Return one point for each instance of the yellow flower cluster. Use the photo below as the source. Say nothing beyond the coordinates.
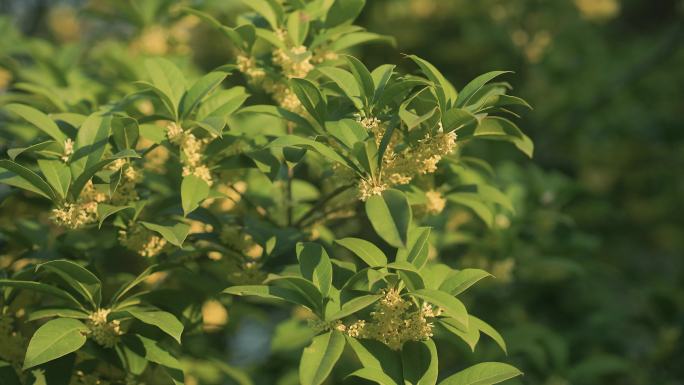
(191, 149)
(105, 333)
(401, 168)
(248, 66)
(393, 321)
(125, 192)
(81, 213)
(435, 202)
(323, 55)
(12, 343)
(295, 62)
(141, 240)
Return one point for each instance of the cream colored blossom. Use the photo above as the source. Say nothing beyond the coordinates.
(395, 321)
(248, 66)
(105, 333)
(191, 152)
(369, 187)
(81, 213)
(435, 202)
(295, 62)
(142, 240)
(68, 149)
(400, 168)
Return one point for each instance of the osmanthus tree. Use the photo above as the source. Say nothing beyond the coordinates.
(315, 199)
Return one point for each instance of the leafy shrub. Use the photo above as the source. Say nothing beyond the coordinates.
(142, 211)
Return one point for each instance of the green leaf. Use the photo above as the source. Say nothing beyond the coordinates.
(417, 249)
(91, 142)
(390, 215)
(357, 38)
(318, 147)
(310, 95)
(199, 90)
(222, 103)
(57, 174)
(298, 27)
(78, 277)
(53, 340)
(242, 36)
(168, 79)
(451, 306)
(471, 336)
(315, 265)
(193, 191)
(306, 288)
(409, 275)
(378, 356)
(381, 77)
(175, 234)
(419, 360)
(347, 83)
(15, 152)
(446, 94)
(475, 85)
(366, 153)
(319, 358)
(368, 252)
(20, 176)
(364, 79)
(270, 11)
(41, 288)
(125, 132)
(347, 131)
(354, 305)
(125, 288)
(61, 312)
(343, 12)
(165, 321)
(473, 202)
(271, 292)
(104, 211)
(40, 120)
(457, 119)
(375, 375)
(279, 113)
(488, 330)
(155, 353)
(462, 280)
(486, 373)
(497, 128)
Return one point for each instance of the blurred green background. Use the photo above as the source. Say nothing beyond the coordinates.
(591, 271)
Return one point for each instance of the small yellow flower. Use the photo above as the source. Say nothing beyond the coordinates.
(105, 333)
(435, 202)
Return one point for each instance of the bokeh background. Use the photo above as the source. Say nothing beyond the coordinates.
(590, 286)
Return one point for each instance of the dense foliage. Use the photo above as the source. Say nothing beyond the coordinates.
(147, 200)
